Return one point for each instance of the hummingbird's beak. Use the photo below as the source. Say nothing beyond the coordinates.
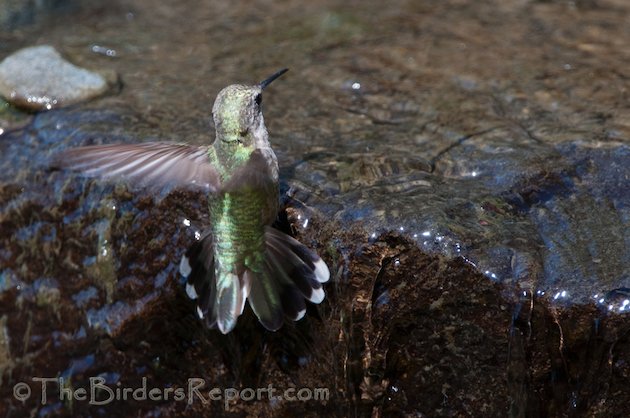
(268, 81)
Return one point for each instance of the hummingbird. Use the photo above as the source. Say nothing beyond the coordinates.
(240, 256)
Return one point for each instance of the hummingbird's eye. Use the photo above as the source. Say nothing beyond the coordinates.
(258, 99)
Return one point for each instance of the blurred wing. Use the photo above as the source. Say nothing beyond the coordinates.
(151, 164)
(260, 172)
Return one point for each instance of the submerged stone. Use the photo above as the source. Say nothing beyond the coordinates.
(38, 78)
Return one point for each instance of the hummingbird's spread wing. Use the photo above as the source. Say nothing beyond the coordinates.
(151, 164)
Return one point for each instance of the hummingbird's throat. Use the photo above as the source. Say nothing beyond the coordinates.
(228, 155)
(233, 140)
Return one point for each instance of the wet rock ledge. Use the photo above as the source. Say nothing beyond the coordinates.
(401, 333)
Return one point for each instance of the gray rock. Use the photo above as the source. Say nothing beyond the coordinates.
(38, 78)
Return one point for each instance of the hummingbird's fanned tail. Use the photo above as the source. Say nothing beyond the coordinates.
(291, 273)
(220, 295)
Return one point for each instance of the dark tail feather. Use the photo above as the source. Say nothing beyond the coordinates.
(197, 266)
(220, 300)
(290, 274)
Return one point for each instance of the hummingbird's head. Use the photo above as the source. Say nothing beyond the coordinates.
(238, 117)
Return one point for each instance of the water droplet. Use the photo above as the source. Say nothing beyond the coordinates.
(356, 86)
(98, 49)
